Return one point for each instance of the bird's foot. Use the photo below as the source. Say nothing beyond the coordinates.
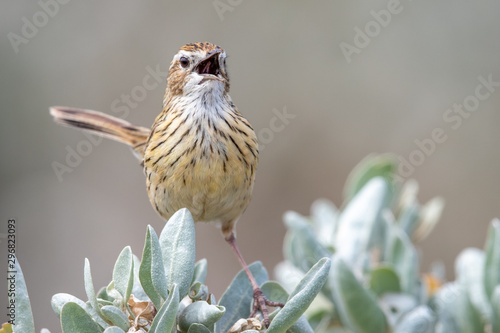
(260, 303)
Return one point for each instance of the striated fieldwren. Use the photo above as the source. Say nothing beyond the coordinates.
(200, 153)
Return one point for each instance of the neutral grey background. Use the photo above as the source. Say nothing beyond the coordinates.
(282, 54)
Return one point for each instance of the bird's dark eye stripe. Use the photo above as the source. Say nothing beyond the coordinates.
(184, 62)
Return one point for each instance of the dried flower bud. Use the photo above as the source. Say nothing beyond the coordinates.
(141, 309)
(247, 324)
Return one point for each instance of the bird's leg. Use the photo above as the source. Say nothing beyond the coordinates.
(260, 302)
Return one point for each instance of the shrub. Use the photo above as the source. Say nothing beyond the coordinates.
(354, 269)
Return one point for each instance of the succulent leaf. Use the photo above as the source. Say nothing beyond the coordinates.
(177, 241)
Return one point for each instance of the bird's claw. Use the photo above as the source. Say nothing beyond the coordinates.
(260, 303)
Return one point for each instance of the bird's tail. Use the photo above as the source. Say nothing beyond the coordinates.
(104, 125)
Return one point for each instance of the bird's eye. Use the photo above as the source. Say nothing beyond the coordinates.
(184, 62)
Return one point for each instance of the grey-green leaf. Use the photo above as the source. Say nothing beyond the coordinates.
(137, 289)
(201, 313)
(177, 241)
(102, 294)
(152, 266)
(325, 215)
(357, 307)
(288, 275)
(467, 317)
(116, 317)
(469, 268)
(89, 287)
(165, 318)
(277, 293)
(360, 223)
(21, 301)
(301, 326)
(372, 166)
(446, 306)
(292, 251)
(123, 273)
(311, 248)
(408, 219)
(495, 304)
(198, 328)
(400, 252)
(303, 295)
(59, 300)
(384, 280)
(74, 319)
(274, 291)
(237, 298)
(198, 292)
(492, 261)
(200, 271)
(429, 217)
(419, 320)
(157, 267)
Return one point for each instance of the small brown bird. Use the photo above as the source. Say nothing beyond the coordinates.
(200, 154)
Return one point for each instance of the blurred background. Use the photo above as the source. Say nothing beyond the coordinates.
(350, 79)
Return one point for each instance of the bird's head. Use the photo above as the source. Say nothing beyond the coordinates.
(198, 67)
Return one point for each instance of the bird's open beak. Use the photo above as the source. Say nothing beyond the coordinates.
(210, 67)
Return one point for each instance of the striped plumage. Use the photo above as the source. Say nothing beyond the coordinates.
(200, 153)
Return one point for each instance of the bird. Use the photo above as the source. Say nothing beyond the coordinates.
(201, 153)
